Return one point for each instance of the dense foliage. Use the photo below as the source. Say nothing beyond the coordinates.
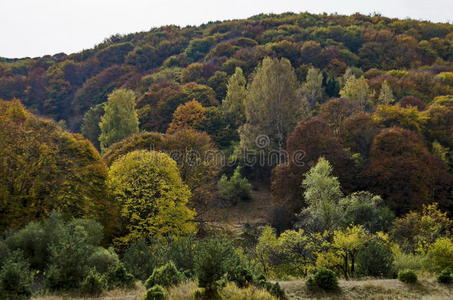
(343, 122)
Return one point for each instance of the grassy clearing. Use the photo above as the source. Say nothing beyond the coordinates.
(295, 289)
(372, 289)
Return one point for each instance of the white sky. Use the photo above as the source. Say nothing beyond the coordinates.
(38, 27)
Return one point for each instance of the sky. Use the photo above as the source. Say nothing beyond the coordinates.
(30, 28)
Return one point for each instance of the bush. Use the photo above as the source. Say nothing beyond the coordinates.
(93, 284)
(242, 276)
(139, 260)
(324, 279)
(407, 276)
(445, 277)
(118, 276)
(156, 292)
(215, 259)
(235, 189)
(166, 275)
(103, 260)
(440, 255)
(15, 277)
(375, 259)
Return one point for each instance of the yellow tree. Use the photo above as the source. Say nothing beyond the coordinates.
(347, 243)
(151, 195)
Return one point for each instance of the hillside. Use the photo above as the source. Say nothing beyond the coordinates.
(64, 86)
(278, 157)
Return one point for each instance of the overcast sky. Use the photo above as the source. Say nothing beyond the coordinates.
(38, 27)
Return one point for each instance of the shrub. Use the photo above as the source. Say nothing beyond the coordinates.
(242, 276)
(166, 275)
(407, 276)
(235, 189)
(156, 292)
(324, 279)
(445, 277)
(440, 255)
(139, 260)
(375, 259)
(15, 277)
(118, 276)
(93, 284)
(102, 260)
(216, 260)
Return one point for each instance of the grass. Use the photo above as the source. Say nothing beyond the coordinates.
(426, 288)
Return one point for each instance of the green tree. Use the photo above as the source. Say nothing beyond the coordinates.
(120, 119)
(233, 103)
(272, 107)
(386, 94)
(312, 87)
(358, 91)
(152, 196)
(90, 126)
(322, 194)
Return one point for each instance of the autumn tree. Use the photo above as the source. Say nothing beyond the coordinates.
(336, 111)
(120, 119)
(45, 168)
(358, 133)
(310, 140)
(188, 115)
(403, 171)
(233, 103)
(404, 117)
(347, 243)
(152, 196)
(358, 91)
(419, 229)
(385, 95)
(271, 106)
(412, 101)
(312, 87)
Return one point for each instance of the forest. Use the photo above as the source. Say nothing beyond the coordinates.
(231, 160)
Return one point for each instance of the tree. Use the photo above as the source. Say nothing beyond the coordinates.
(271, 106)
(312, 87)
(385, 95)
(412, 101)
(310, 140)
(347, 243)
(336, 111)
(152, 196)
(417, 230)
(188, 115)
(233, 103)
(358, 133)
(292, 253)
(322, 195)
(365, 209)
(45, 168)
(120, 119)
(358, 91)
(90, 125)
(403, 171)
(397, 116)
